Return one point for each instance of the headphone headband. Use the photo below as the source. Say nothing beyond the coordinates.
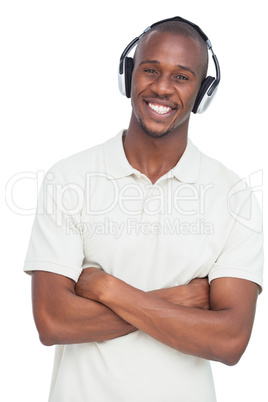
(208, 87)
(180, 19)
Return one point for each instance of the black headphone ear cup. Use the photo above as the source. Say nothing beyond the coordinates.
(129, 64)
(202, 92)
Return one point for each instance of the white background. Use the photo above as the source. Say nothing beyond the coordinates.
(59, 62)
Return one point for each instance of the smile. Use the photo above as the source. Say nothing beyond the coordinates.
(160, 109)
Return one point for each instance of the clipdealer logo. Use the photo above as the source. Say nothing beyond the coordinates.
(108, 227)
(250, 190)
(65, 200)
(69, 199)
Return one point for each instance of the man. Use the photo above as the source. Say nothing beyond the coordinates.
(128, 236)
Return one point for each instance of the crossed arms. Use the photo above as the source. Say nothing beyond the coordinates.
(212, 322)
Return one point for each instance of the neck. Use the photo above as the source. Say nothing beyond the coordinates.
(152, 156)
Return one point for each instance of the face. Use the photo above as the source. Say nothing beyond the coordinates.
(166, 79)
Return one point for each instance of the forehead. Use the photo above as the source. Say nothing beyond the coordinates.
(169, 48)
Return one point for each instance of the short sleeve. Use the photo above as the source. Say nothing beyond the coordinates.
(56, 244)
(242, 254)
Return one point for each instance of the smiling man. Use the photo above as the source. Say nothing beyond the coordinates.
(138, 315)
(166, 78)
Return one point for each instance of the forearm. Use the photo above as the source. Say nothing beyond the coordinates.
(220, 335)
(89, 321)
(62, 317)
(175, 321)
(86, 320)
(189, 330)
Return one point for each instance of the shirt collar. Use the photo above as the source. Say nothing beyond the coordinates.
(117, 165)
(187, 168)
(115, 159)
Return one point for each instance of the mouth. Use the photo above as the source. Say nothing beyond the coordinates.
(160, 109)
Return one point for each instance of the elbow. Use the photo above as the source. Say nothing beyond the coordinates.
(231, 359)
(46, 330)
(46, 339)
(232, 351)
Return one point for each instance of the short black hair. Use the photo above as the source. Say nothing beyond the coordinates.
(181, 28)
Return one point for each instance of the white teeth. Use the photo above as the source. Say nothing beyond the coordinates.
(160, 109)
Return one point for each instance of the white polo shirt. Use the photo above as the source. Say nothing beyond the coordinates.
(96, 210)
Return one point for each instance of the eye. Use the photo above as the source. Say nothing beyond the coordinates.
(181, 77)
(150, 71)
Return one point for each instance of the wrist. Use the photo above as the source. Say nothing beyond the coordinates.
(109, 289)
(92, 284)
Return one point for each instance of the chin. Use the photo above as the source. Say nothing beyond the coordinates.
(153, 133)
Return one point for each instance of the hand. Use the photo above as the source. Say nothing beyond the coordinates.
(198, 291)
(90, 283)
(194, 295)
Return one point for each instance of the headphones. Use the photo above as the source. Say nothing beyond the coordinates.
(208, 87)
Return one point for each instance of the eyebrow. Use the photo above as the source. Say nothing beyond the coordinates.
(149, 62)
(178, 65)
(186, 69)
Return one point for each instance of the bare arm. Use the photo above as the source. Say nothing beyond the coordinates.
(63, 317)
(220, 334)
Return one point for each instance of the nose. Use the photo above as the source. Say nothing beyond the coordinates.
(162, 85)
